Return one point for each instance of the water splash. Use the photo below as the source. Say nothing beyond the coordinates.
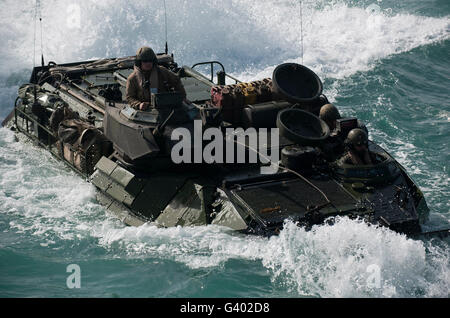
(330, 261)
(53, 208)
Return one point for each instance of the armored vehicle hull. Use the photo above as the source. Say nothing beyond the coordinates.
(78, 113)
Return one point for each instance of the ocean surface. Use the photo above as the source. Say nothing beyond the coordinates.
(386, 62)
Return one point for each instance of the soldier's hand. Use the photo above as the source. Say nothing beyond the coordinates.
(144, 106)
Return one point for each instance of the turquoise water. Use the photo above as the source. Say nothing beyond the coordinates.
(387, 65)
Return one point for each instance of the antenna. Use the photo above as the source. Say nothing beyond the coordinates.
(301, 27)
(42, 45)
(34, 36)
(37, 12)
(165, 23)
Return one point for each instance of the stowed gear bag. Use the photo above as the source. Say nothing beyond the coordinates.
(231, 99)
(82, 144)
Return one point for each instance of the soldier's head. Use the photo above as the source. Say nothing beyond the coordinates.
(329, 114)
(357, 140)
(146, 58)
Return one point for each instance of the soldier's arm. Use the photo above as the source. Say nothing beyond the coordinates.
(131, 94)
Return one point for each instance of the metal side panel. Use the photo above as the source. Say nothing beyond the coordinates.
(157, 194)
(104, 199)
(117, 182)
(185, 209)
(228, 216)
(272, 203)
(196, 90)
(127, 180)
(118, 192)
(107, 185)
(106, 166)
(120, 211)
(100, 180)
(134, 140)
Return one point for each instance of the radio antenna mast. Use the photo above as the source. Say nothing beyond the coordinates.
(165, 23)
(42, 42)
(34, 36)
(301, 27)
(38, 11)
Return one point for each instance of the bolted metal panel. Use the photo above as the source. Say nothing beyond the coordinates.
(128, 180)
(125, 215)
(118, 192)
(229, 217)
(100, 180)
(106, 166)
(122, 176)
(185, 209)
(104, 199)
(157, 194)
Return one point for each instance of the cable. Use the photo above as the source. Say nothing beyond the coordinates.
(287, 169)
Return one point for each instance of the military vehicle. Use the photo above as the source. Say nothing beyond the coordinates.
(78, 113)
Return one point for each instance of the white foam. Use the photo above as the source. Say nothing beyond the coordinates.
(339, 39)
(38, 193)
(329, 261)
(43, 199)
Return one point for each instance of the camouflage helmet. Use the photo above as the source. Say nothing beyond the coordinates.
(329, 113)
(357, 137)
(146, 54)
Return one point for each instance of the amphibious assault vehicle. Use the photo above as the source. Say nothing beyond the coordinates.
(78, 113)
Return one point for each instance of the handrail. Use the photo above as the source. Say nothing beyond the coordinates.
(42, 144)
(28, 117)
(211, 63)
(189, 71)
(233, 78)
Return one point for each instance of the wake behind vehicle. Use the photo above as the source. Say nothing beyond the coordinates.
(78, 113)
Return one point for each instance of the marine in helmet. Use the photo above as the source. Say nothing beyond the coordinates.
(357, 144)
(329, 114)
(334, 146)
(148, 77)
